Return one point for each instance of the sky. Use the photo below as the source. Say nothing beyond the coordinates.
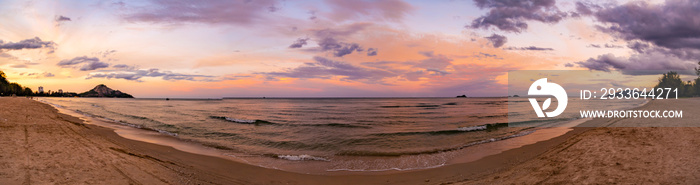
(335, 48)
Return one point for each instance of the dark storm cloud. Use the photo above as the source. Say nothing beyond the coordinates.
(497, 40)
(34, 43)
(673, 24)
(533, 48)
(137, 74)
(89, 63)
(211, 12)
(325, 68)
(61, 18)
(300, 42)
(511, 15)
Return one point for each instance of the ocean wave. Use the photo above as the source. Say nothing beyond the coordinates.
(385, 169)
(472, 128)
(459, 130)
(263, 122)
(434, 151)
(302, 157)
(243, 121)
(342, 125)
(419, 105)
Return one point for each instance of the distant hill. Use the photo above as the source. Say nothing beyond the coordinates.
(104, 91)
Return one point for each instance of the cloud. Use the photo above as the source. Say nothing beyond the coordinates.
(19, 66)
(60, 18)
(663, 36)
(89, 63)
(568, 65)
(38, 75)
(372, 52)
(533, 48)
(209, 12)
(34, 43)
(586, 8)
(673, 24)
(486, 55)
(511, 16)
(339, 49)
(612, 46)
(299, 43)
(137, 74)
(652, 61)
(332, 40)
(325, 68)
(497, 40)
(382, 9)
(438, 72)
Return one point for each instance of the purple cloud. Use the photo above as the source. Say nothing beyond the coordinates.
(332, 40)
(672, 24)
(61, 18)
(325, 68)
(532, 48)
(497, 40)
(34, 43)
(299, 43)
(89, 63)
(372, 52)
(385, 9)
(511, 16)
(210, 12)
(137, 74)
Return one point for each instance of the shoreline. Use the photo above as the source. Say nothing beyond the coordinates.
(455, 157)
(168, 163)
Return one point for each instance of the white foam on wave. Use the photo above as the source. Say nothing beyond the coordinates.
(472, 128)
(386, 169)
(302, 157)
(240, 120)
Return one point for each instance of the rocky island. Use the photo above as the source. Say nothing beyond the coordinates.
(102, 91)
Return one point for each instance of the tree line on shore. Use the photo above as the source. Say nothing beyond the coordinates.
(672, 79)
(8, 88)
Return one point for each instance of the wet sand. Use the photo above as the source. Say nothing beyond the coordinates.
(40, 145)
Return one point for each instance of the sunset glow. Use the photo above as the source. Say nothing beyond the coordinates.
(331, 48)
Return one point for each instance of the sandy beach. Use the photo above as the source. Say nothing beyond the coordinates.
(621, 154)
(40, 145)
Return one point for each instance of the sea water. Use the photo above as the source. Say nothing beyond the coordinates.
(311, 135)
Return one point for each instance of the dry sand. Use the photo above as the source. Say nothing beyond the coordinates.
(38, 145)
(618, 155)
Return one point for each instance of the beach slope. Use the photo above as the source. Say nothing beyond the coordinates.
(622, 154)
